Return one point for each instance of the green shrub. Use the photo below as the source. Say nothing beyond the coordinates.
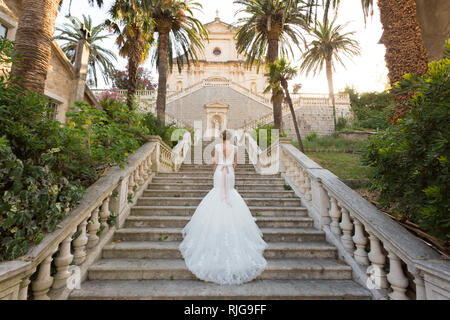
(411, 159)
(45, 165)
(33, 199)
(166, 132)
(311, 137)
(341, 123)
(371, 109)
(263, 134)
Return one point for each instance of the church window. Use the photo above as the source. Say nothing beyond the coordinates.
(52, 109)
(3, 31)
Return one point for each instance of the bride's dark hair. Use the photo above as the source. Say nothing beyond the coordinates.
(226, 135)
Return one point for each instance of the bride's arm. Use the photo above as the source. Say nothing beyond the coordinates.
(235, 160)
(215, 160)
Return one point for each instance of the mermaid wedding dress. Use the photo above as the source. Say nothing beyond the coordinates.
(222, 243)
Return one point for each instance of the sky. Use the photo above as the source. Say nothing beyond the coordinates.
(366, 72)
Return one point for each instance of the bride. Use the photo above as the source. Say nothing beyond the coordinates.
(222, 242)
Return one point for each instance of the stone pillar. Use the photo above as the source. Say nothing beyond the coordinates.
(81, 65)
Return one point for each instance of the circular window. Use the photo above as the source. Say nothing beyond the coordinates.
(217, 52)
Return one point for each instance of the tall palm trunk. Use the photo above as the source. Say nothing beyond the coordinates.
(34, 42)
(402, 37)
(284, 84)
(328, 65)
(134, 59)
(277, 99)
(163, 70)
(132, 80)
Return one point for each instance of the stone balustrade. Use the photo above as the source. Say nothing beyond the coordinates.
(78, 241)
(180, 151)
(384, 256)
(301, 100)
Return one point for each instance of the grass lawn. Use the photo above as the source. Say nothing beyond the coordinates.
(347, 166)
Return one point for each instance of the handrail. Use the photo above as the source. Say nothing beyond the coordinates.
(352, 223)
(265, 161)
(87, 228)
(180, 151)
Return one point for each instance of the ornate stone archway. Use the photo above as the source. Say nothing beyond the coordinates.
(216, 118)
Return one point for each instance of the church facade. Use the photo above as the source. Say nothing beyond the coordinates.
(221, 92)
(219, 60)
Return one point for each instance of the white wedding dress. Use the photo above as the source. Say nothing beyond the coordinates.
(222, 242)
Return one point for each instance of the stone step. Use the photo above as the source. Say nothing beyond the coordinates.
(200, 290)
(210, 171)
(238, 181)
(181, 221)
(174, 201)
(189, 210)
(209, 175)
(174, 234)
(175, 269)
(192, 167)
(169, 250)
(209, 185)
(202, 193)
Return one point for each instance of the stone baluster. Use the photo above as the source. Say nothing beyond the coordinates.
(131, 184)
(298, 173)
(137, 176)
(144, 172)
(79, 243)
(308, 195)
(421, 293)
(289, 168)
(360, 240)
(41, 285)
(301, 180)
(295, 174)
(335, 215)
(396, 277)
(23, 286)
(377, 260)
(149, 164)
(324, 205)
(93, 227)
(283, 166)
(347, 228)
(62, 262)
(104, 215)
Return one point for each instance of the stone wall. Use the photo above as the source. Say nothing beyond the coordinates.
(242, 109)
(317, 119)
(60, 83)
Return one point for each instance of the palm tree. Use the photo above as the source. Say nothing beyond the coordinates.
(270, 27)
(133, 27)
(34, 38)
(328, 47)
(100, 59)
(280, 72)
(180, 37)
(402, 35)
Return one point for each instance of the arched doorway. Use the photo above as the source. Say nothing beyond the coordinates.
(216, 118)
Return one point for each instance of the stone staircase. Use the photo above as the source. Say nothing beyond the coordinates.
(143, 261)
